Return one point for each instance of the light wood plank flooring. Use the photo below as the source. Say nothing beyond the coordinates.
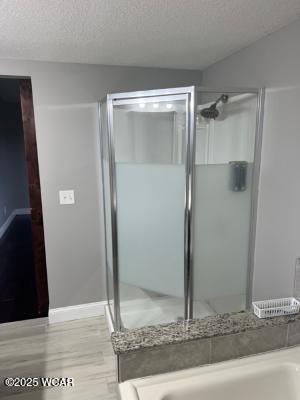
(78, 349)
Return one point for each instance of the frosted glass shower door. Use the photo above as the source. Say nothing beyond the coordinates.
(222, 200)
(150, 141)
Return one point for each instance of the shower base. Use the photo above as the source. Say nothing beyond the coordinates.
(138, 313)
(141, 308)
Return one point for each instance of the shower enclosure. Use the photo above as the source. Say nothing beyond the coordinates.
(180, 174)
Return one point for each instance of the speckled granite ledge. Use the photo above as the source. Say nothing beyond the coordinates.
(170, 347)
(182, 332)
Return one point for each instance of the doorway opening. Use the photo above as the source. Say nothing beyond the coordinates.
(23, 275)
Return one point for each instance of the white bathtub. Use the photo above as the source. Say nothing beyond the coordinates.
(272, 376)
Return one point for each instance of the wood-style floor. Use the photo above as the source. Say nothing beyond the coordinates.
(78, 349)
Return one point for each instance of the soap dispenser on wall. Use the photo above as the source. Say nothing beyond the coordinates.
(297, 279)
(238, 176)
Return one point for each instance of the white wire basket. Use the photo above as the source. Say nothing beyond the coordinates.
(276, 307)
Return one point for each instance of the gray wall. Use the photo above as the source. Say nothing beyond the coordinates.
(273, 62)
(13, 182)
(68, 149)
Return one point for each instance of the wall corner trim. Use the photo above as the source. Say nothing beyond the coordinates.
(76, 312)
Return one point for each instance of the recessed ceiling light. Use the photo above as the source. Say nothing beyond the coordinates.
(155, 105)
(169, 105)
(142, 105)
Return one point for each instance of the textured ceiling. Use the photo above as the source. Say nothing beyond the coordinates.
(153, 33)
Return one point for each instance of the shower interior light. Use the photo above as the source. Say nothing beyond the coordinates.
(155, 105)
(142, 105)
(169, 106)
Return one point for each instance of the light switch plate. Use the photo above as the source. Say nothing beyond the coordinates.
(66, 197)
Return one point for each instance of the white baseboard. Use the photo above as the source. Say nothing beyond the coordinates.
(9, 220)
(76, 312)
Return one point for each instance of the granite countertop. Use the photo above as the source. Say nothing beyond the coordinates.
(179, 332)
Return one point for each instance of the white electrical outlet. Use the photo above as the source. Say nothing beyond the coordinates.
(66, 197)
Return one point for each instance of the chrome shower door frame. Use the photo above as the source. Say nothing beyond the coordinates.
(187, 94)
(254, 194)
(108, 310)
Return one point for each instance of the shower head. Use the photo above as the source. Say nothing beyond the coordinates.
(212, 112)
